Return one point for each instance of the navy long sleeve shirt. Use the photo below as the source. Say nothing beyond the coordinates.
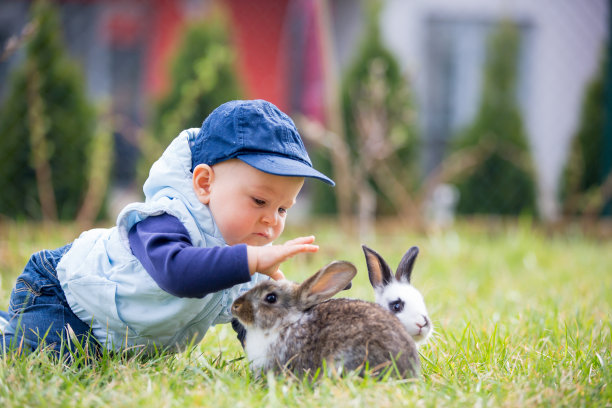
(163, 246)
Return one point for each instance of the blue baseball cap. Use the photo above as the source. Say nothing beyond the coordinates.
(259, 134)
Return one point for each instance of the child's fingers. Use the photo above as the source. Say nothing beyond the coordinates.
(301, 240)
(277, 275)
(292, 250)
(266, 259)
(284, 252)
(309, 248)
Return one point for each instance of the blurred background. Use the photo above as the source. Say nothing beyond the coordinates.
(422, 111)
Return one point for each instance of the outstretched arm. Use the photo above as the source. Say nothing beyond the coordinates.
(163, 246)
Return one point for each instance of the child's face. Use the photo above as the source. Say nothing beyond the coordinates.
(248, 205)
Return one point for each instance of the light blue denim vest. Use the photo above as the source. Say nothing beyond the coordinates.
(106, 286)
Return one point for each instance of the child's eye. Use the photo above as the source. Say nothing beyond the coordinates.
(258, 201)
(282, 211)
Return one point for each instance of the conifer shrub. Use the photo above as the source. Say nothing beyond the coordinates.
(379, 123)
(203, 76)
(502, 182)
(46, 127)
(585, 170)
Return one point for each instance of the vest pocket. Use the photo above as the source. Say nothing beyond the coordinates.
(92, 299)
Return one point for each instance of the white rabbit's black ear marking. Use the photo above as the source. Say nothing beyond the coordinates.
(378, 270)
(404, 270)
(324, 284)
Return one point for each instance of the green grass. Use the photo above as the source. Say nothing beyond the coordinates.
(523, 318)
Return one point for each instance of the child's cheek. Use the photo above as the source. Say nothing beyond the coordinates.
(279, 229)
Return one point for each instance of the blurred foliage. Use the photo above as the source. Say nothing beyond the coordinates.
(379, 120)
(583, 175)
(102, 159)
(203, 77)
(502, 182)
(47, 125)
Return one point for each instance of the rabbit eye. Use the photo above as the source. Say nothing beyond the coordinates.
(271, 298)
(396, 306)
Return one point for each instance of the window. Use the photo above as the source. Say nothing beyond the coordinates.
(455, 55)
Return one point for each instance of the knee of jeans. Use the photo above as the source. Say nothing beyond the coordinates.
(22, 296)
(35, 282)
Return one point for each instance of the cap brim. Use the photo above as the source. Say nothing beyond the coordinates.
(283, 166)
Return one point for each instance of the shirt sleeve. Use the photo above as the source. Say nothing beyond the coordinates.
(163, 246)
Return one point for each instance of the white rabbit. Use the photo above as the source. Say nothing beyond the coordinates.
(297, 327)
(396, 294)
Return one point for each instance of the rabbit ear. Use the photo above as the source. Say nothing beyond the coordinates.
(378, 270)
(324, 284)
(404, 270)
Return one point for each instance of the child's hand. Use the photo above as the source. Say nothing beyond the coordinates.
(267, 259)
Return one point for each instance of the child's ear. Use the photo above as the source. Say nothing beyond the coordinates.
(203, 176)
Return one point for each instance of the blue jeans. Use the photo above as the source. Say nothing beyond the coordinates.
(38, 312)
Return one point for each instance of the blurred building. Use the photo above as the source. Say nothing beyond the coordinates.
(287, 47)
(442, 45)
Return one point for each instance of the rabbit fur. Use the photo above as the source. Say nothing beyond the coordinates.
(297, 327)
(396, 294)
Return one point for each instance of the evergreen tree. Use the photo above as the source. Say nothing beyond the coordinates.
(379, 121)
(203, 77)
(502, 183)
(46, 127)
(583, 174)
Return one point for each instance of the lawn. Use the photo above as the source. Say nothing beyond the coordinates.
(523, 318)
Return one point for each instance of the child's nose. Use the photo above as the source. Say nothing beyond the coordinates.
(271, 218)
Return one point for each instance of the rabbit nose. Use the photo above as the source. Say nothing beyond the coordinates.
(420, 326)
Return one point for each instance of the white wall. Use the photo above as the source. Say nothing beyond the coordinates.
(568, 36)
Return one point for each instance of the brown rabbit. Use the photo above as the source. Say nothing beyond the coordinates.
(297, 327)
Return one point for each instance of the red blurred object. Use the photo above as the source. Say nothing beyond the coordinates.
(258, 30)
(124, 30)
(164, 29)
